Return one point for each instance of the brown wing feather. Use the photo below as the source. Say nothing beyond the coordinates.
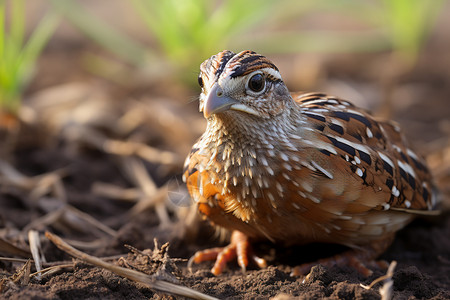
(379, 154)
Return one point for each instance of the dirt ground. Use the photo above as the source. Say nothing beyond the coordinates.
(91, 176)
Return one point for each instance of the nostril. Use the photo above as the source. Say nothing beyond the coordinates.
(219, 93)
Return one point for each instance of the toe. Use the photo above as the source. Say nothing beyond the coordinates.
(227, 254)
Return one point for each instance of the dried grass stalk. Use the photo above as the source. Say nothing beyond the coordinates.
(36, 252)
(10, 249)
(12, 259)
(42, 222)
(386, 289)
(72, 217)
(123, 148)
(37, 186)
(114, 192)
(91, 220)
(151, 154)
(51, 270)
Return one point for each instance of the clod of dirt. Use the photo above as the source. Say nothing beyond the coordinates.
(153, 262)
(320, 274)
(420, 285)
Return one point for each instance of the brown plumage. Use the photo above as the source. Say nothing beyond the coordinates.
(298, 168)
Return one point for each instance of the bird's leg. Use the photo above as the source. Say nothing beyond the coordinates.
(239, 247)
(358, 259)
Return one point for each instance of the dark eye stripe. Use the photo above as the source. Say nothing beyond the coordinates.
(271, 79)
(250, 59)
(247, 62)
(249, 68)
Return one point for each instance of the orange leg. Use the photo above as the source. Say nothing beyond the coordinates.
(358, 259)
(239, 247)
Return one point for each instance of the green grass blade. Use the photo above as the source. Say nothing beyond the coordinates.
(17, 22)
(2, 28)
(17, 57)
(36, 43)
(103, 34)
(408, 23)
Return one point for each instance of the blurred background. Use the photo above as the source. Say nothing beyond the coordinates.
(98, 98)
(373, 53)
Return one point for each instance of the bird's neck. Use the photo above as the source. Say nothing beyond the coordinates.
(248, 132)
(244, 146)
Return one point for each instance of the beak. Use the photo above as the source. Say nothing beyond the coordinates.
(217, 102)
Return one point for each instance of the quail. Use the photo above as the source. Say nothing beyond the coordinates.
(298, 168)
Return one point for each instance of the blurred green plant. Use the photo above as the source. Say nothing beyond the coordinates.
(18, 55)
(189, 31)
(104, 34)
(185, 32)
(408, 22)
(397, 25)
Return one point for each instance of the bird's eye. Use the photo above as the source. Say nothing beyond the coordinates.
(200, 80)
(256, 83)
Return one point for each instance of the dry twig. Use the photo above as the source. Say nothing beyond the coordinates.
(152, 195)
(76, 219)
(123, 148)
(37, 186)
(144, 279)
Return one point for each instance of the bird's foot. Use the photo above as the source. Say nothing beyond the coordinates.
(239, 247)
(359, 259)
